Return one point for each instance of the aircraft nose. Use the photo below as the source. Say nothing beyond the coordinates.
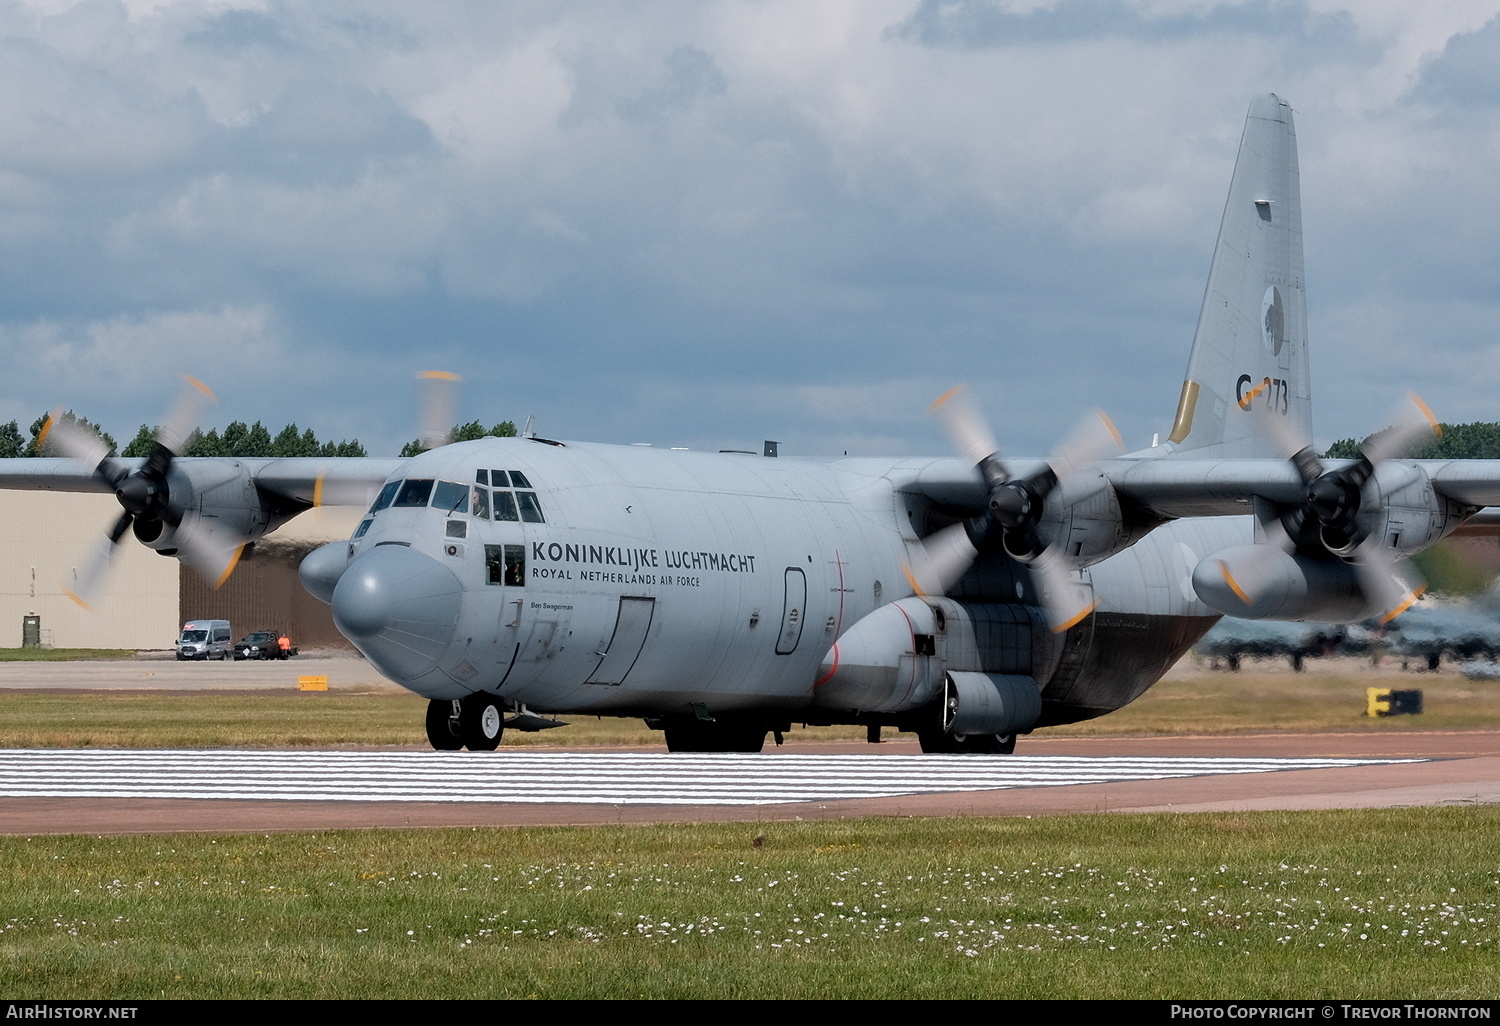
(399, 607)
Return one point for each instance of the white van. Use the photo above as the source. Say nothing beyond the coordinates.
(205, 639)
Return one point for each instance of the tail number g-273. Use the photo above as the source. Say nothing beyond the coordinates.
(1275, 390)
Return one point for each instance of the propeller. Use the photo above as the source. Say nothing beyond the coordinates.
(1330, 516)
(1014, 510)
(438, 403)
(143, 493)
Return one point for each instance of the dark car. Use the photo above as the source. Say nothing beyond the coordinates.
(263, 645)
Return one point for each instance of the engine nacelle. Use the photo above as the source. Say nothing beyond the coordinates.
(1262, 582)
(1086, 524)
(901, 656)
(990, 703)
(218, 509)
(1406, 514)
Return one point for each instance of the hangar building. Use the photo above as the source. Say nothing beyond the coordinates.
(46, 538)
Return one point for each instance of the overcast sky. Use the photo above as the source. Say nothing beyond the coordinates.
(714, 222)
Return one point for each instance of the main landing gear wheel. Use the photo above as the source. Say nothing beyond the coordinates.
(937, 742)
(480, 722)
(697, 736)
(440, 726)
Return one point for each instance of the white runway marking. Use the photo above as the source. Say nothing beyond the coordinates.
(570, 777)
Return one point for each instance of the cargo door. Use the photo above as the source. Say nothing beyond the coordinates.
(631, 624)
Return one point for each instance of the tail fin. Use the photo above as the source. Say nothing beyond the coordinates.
(1250, 350)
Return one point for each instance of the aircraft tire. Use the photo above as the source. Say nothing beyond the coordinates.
(480, 722)
(939, 742)
(693, 736)
(440, 726)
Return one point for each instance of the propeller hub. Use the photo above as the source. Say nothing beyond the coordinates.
(137, 494)
(1011, 504)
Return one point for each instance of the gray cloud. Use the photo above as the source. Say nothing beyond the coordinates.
(711, 223)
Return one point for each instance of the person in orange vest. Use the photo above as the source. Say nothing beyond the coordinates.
(284, 644)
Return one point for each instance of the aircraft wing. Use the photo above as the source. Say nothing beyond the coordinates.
(1175, 488)
(56, 475)
(1165, 488)
(1471, 482)
(331, 481)
(309, 481)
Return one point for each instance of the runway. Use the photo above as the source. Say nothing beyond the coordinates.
(167, 791)
(579, 778)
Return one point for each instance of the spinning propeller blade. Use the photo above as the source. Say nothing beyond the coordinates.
(1329, 519)
(143, 493)
(1015, 509)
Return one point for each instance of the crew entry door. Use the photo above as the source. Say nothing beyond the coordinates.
(631, 624)
(794, 611)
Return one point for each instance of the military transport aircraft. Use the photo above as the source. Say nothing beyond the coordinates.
(723, 596)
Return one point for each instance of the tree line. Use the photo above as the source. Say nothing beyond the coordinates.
(1475, 441)
(238, 440)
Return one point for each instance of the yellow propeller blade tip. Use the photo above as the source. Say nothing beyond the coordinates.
(200, 386)
(1426, 411)
(940, 400)
(439, 376)
(1077, 619)
(233, 562)
(41, 438)
(911, 579)
(1234, 585)
(1114, 432)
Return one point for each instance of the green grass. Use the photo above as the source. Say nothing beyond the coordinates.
(1253, 700)
(1366, 904)
(1211, 703)
(62, 655)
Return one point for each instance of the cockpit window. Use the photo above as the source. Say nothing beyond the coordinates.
(531, 512)
(482, 477)
(505, 507)
(364, 525)
(414, 493)
(518, 479)
(451, 496)
(386, 495)
(481, 502)
(500, 479)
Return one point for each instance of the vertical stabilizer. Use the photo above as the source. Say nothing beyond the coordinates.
(1249, 356)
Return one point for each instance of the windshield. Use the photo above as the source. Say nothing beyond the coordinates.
(195, 635)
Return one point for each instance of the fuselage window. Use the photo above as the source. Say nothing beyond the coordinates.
(499, 479)
(515, 565)
(530, 511)
(386, 495)
(481, 502)
(505, 507)
(518, 480)
(364, 525)
(413, 493)
(505, 564)
(451, 496)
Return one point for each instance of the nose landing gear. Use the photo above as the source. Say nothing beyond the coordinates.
(474, 722)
